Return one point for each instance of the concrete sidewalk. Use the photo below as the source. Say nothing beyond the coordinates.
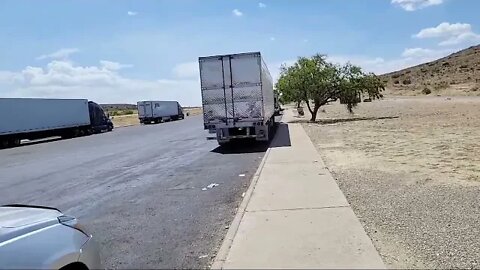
(294, 215)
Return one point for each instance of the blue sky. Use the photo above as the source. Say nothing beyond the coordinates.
(124, 51)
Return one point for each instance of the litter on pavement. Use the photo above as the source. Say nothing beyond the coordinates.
(242, 175)
(212, 185)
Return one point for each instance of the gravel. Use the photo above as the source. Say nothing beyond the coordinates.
(415, 226)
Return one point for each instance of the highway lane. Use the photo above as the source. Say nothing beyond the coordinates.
(137, 189)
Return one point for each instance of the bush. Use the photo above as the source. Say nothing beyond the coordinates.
(407, 81)
(127, 112)
(396, 82)
(426, 91)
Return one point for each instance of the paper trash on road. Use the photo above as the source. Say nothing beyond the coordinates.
(242, 175)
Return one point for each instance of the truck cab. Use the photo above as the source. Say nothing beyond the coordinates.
(98, 119)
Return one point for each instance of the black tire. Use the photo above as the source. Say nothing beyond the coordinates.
(16, 142)
(4, 143)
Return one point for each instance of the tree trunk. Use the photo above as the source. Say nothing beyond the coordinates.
(315, 110)
(308, 106)
(298, 103)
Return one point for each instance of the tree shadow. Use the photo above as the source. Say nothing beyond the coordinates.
(281, 139)
(342, 120)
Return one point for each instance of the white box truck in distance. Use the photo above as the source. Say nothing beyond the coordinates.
(35, 118)
(237, 96)
(158, 111)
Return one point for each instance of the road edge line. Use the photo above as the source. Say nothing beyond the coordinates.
(235, 224)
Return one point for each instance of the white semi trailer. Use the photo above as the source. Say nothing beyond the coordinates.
(237, 96)
(35, 118)
(158, 111)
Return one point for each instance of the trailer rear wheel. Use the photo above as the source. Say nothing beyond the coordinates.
(15, 142)
(4, 143)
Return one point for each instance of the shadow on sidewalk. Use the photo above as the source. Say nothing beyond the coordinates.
(281, 139)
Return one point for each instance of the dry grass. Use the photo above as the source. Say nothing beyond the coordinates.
(125, 120)
(192, 111)
(413, 180)
(436, 136)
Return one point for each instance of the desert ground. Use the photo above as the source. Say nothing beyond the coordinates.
(410, 168)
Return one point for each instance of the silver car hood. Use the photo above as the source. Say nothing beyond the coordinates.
(15, 221)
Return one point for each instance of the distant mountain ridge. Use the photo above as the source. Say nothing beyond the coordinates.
(112, 107)
(455, 74)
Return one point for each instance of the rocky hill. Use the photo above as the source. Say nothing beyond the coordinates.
(456, 74)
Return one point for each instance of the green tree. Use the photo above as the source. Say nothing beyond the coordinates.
(316, 80)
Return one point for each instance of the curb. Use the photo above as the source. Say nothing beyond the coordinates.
(222, 253)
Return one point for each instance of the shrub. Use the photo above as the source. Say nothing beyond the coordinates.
(407, 81)
(426, 91)
(127, 112)
(396, 82)
(441, 85)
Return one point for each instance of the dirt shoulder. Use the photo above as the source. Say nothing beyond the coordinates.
(412, 177)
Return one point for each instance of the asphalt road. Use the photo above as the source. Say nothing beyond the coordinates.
(138, 189)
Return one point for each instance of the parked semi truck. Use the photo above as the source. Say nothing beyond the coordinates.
(35, 118)
(237, 97)
(158, 111)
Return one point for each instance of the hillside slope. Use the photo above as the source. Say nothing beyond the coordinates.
(456, 74)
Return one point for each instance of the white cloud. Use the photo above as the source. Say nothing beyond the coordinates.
(237, 13)
(444, 30)
(412, 5)
(426, 54)
(102, 83)
(113, 65)
(61, 54)
(186, 70)
(465, 38)
(272, 38)
(416, 52)
(452, 34)
(262, 5)
(132, 13)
